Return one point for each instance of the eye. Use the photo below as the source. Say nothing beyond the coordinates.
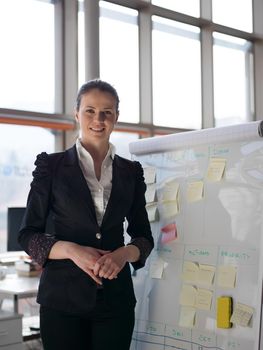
(108, 113)
(89, 110)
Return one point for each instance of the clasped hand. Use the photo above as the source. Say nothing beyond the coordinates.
(98, 263)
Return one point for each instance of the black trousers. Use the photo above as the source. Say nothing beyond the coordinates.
(100, 329)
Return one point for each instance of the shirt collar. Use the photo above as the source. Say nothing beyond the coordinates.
(82, 150)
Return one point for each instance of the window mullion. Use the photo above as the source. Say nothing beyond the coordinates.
(145, 61)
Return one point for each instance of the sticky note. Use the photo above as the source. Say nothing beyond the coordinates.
(150, 193)
(190, 271)
(169, 227)
(223, 312)
(206, 274)
(149, 174)
(216, 169)
(169, 233)
(156, 268)
(195, 191)
(188, 295)
(187, 316)
(170, 190)
(169, 209)
(203, 299)
(152, 211)
(242, 314)
(226, 276)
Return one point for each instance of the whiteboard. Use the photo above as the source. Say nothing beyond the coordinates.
(222, 228)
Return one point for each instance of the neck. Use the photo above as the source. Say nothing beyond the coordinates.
(97, 151)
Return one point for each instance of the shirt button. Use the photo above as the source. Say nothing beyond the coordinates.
(98, 235)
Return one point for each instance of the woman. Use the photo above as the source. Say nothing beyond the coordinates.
(86, 294)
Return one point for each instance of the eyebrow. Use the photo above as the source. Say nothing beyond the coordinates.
(88, 106)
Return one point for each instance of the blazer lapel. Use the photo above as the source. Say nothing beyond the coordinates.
(118, 188)
(76, 180)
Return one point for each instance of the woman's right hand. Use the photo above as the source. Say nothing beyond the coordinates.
(84, 257)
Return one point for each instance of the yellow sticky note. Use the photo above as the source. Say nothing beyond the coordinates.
(188, 295)
(156, 268)
(216, 169)
(226, 276)
(170, 191)
(242, 314)
(150, 193)
(203, 299)
(152, 211)
(223, 313)
(190, 271)
(187, 316)
(195, 191)
(169, 209)
(149, 174)
(206, 274)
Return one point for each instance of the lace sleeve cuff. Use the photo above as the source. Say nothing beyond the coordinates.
(145, 248)
(39, 247)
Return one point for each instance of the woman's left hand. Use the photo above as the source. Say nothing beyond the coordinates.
(110, 264)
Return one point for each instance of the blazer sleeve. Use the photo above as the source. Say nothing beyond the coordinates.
(32, 236)
(138, 223)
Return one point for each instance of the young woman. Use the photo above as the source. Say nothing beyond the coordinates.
(86, 294)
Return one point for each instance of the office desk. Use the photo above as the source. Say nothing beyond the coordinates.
(16, 287)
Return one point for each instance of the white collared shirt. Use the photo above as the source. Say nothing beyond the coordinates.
(100, 189)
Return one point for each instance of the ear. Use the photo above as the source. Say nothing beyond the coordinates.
(76, 116)
(117, 117)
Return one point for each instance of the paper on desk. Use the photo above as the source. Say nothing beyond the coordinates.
(190, 271)
(226, 276)
(187, 316)
(206, 274)
(149, 174)
(152, 211)
(242, 314)
(216, 169)
(150, 193)
(195, 191)
(188, 295)
(203, 299)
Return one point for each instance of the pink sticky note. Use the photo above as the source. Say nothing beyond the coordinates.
(169, 228)
(169, 233)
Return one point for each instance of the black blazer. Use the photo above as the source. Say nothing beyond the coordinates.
(60, 188)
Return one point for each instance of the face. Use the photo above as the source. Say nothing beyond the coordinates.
(97, 116)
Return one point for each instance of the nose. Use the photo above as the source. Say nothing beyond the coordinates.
(100, 116)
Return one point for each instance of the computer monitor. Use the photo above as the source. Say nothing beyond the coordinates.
(14, 220)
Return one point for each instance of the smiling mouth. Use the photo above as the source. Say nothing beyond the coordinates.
(97, 129)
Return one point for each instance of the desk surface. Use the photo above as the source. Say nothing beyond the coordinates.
(18, 285)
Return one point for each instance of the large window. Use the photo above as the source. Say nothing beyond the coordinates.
(176, 74)
(19, 146)
(27, 55)
(233, 92)
(170, 68)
